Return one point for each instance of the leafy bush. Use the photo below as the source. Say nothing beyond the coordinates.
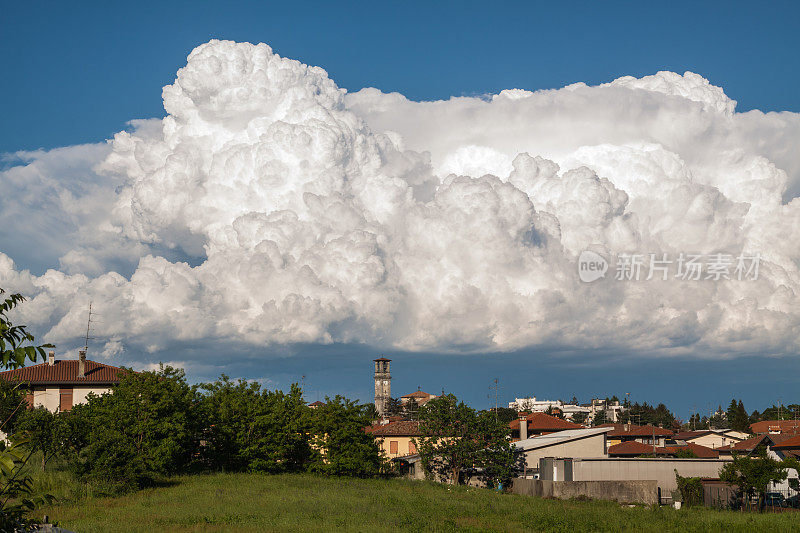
(691, 490)
(145, 430)
(344, 448)
(249, 429)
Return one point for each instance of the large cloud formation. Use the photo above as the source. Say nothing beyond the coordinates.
(271, 207)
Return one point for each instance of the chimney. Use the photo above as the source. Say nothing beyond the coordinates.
(82, 364)
(523, 427)
(51, 358)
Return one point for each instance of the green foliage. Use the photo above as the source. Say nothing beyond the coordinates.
(504, 415)
(455, 437)
(16, 499)
(599, 418)
(738, 418)
(691, 490)
(345, 449)
(579, 418)
(14, 347)
(646, 414)
(12, 405)
(249, 429)
(145, 430)
(685, 453)
(778, 412)
(753, 474)
(411, 409)
(42, 430)
(393, 407)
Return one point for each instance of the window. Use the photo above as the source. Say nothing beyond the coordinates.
(393, 446)
(411, 447)
(65, 403)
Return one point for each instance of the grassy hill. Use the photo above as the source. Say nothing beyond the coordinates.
(251, 502)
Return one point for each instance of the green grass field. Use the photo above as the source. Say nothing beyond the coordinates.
(251, 502)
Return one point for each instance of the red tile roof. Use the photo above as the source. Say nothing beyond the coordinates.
(747, 445)
(316, 404)
(779, 426)
(703, 452)
(399, 428)
(417, 394)
(632, 430)
(793, 442)
(538, 422)
(631, 447)
(65, 372)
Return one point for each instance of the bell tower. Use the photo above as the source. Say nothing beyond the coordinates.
(383, 384)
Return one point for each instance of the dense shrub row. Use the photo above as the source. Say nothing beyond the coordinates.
(156, 425)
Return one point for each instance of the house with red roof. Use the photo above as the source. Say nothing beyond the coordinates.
(632, 448)
(59, 384)
(789, 447)
(776, 446)
(710, 438)
(395, 437)
(643, 434)
(538, 424)
(776, 427)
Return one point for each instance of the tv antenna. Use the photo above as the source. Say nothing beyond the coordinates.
(496, 389)
(88, 326)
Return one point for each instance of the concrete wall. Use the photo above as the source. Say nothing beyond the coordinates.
(661, 470)
(593, 446)
(640, 491)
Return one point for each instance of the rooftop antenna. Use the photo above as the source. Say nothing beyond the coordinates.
(88, 325)
(496, 388)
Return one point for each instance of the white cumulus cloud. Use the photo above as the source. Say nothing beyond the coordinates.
(271, 207)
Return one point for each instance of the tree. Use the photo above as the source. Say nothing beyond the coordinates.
(12, 405)
(753, 474)
(738, 418)
(504, 415)
(599, 418)
(579, 418)
(145, 430)
(16, 487)
(691, 490)
(411, 409)
(345, 448)
(249, 429)
(392, 407)
(455, 438)
(41, 429)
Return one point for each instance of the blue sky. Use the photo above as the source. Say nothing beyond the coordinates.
(76, 73)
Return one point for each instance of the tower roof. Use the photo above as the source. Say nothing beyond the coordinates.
(381, 359)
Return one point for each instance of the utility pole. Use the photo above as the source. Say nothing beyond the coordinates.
(654, 440)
